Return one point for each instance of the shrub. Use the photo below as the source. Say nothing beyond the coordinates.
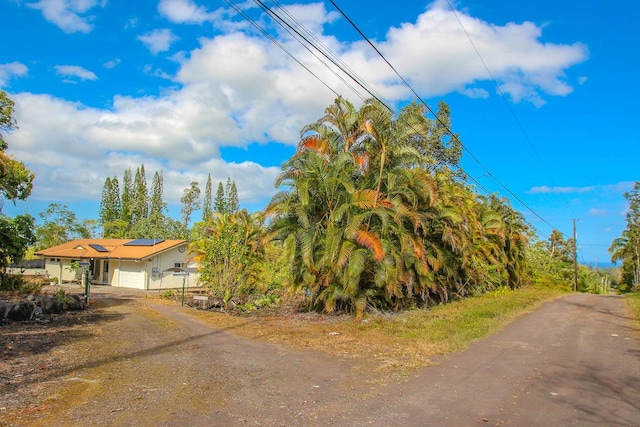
(168, 294)
(10, 282)
(64, 299)
(262, 301)
(17, 283)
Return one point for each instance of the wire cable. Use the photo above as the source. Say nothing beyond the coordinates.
(276, 42)
(309, 40)
(504, 99)
(486, 171)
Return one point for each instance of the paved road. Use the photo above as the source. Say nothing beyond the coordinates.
(573, 362)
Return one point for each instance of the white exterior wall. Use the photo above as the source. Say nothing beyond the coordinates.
(59, 267)
(159, 278)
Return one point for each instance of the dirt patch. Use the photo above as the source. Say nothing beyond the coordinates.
(32, 352)
(146, 357)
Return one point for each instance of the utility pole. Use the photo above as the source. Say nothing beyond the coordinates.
(575, 258)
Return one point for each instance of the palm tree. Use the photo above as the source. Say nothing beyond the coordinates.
(372, 218)
(626, 249)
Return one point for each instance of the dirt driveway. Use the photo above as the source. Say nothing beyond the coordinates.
(573, 362)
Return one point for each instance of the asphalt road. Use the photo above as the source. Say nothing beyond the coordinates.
(573, 362)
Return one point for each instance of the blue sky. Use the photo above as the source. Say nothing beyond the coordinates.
(189, 88)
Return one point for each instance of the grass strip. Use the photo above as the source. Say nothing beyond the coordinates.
(394, 342)
(633, 302)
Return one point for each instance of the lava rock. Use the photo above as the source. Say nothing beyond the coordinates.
(22, 311)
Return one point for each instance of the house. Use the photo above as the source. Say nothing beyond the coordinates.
(141, 263)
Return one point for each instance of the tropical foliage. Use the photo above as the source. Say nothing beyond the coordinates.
(626, 248)
(16, 235)
(16, 181)
(376, 216)
(230, 251)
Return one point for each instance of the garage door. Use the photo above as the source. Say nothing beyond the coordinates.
(131, 275)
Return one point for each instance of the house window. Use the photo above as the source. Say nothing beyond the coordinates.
(178, 265)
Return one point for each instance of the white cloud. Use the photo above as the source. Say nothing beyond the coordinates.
(75, 71)
(544, 189)
(599, 212)
(68, 15)
(11, 70)
(156, 72)
(159, 40)
(312, 16)
(72, 148)
(236, 89)
(435, 54)
(131, 23)
(184, 12)
(475, 93)
(112, 64)
(616, 188)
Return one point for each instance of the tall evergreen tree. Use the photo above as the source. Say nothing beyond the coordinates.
(104, 211)
(115, 197)
(190, 202)
(126, 208)
(109, 206)
(207, 206)
(140, 205)
(233, 204)
(157, 205)
(220, 204)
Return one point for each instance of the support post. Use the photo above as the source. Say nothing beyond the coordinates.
(85, 278)
(184, 279)
(575, 258)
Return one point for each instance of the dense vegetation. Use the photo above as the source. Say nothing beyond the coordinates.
(377, 217)
(16, 182)
(626, 248)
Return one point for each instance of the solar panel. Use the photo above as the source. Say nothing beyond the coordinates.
(144, 242)
(98, 247)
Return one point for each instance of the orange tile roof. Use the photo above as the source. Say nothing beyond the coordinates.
(115, 249)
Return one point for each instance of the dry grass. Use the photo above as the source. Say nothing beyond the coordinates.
(633, 302)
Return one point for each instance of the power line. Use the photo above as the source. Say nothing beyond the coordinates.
(311, 41)
(353, 24)
(324, 53)
(276, 42)
(504, 98)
